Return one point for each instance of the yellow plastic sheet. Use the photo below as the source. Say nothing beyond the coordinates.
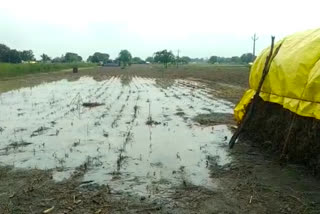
(293, 80)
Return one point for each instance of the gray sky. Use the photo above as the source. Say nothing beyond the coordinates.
(199, 28)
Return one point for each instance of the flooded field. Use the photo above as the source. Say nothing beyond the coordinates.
(136, 141)
(133, 134)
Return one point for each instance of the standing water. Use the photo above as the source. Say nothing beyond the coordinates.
(138, 135)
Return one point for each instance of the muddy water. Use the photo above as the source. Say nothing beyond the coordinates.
(141, 140)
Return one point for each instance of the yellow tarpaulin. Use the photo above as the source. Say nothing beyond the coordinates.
(293, 80)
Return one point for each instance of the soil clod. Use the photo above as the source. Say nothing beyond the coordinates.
(91, 105)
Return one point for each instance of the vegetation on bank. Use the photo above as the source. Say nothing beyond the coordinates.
(15, 63)
(12, 70)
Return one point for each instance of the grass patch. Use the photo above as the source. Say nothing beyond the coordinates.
(13, 70)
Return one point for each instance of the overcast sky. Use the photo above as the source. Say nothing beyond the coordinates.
(199, 28)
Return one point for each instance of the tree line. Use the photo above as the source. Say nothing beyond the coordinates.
(124, 58)
(14, 56)
(244, 58)
(167, 57)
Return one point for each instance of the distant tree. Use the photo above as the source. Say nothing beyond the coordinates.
(58, 59)
(137, 60)
(4, 53)
(98, 57)
(213, 59)
(185, 60)
(225, 60)
(14, 56)
(165, 57)
(125, 58)
(89, 59)
(55, 60)
(150, 59)
(45, 58)
(72, 57)
(247, 57)
(27, 55)
(235, 59)
(116, 61)
(220, 59)
(198, 60)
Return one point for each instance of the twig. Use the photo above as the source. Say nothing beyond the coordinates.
(250, 199)
(48, 210)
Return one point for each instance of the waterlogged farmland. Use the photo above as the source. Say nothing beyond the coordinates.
(130, 133)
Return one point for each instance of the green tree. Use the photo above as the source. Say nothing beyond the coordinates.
(27, 55)
(58, 59)
(4, 53)
(137, 60)
(14, 56)
(235, 59)
(98, 57)
(213, 59)
(247, 57)
(165, 57)
(185, 60)
(198, 60)
(45, 58)
(125, 58)
(225, 60)
(89, 59)
(150, 59)
(72, 57)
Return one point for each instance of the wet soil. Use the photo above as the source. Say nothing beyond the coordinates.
(60, 157)
(214, 119)
(251, 183)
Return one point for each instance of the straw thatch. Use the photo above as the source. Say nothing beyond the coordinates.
(291, 137)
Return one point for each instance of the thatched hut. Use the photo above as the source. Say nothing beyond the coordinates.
(286, 116)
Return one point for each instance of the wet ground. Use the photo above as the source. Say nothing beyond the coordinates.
(140, 138)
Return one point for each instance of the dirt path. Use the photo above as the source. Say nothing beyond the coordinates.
(139, 150)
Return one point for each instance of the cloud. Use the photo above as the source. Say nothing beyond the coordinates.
(198, 28)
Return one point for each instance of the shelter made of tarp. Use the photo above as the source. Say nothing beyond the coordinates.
(293, 80)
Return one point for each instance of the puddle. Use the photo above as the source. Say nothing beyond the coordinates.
(113, 140)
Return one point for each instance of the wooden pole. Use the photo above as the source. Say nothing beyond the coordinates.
(265, 71)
